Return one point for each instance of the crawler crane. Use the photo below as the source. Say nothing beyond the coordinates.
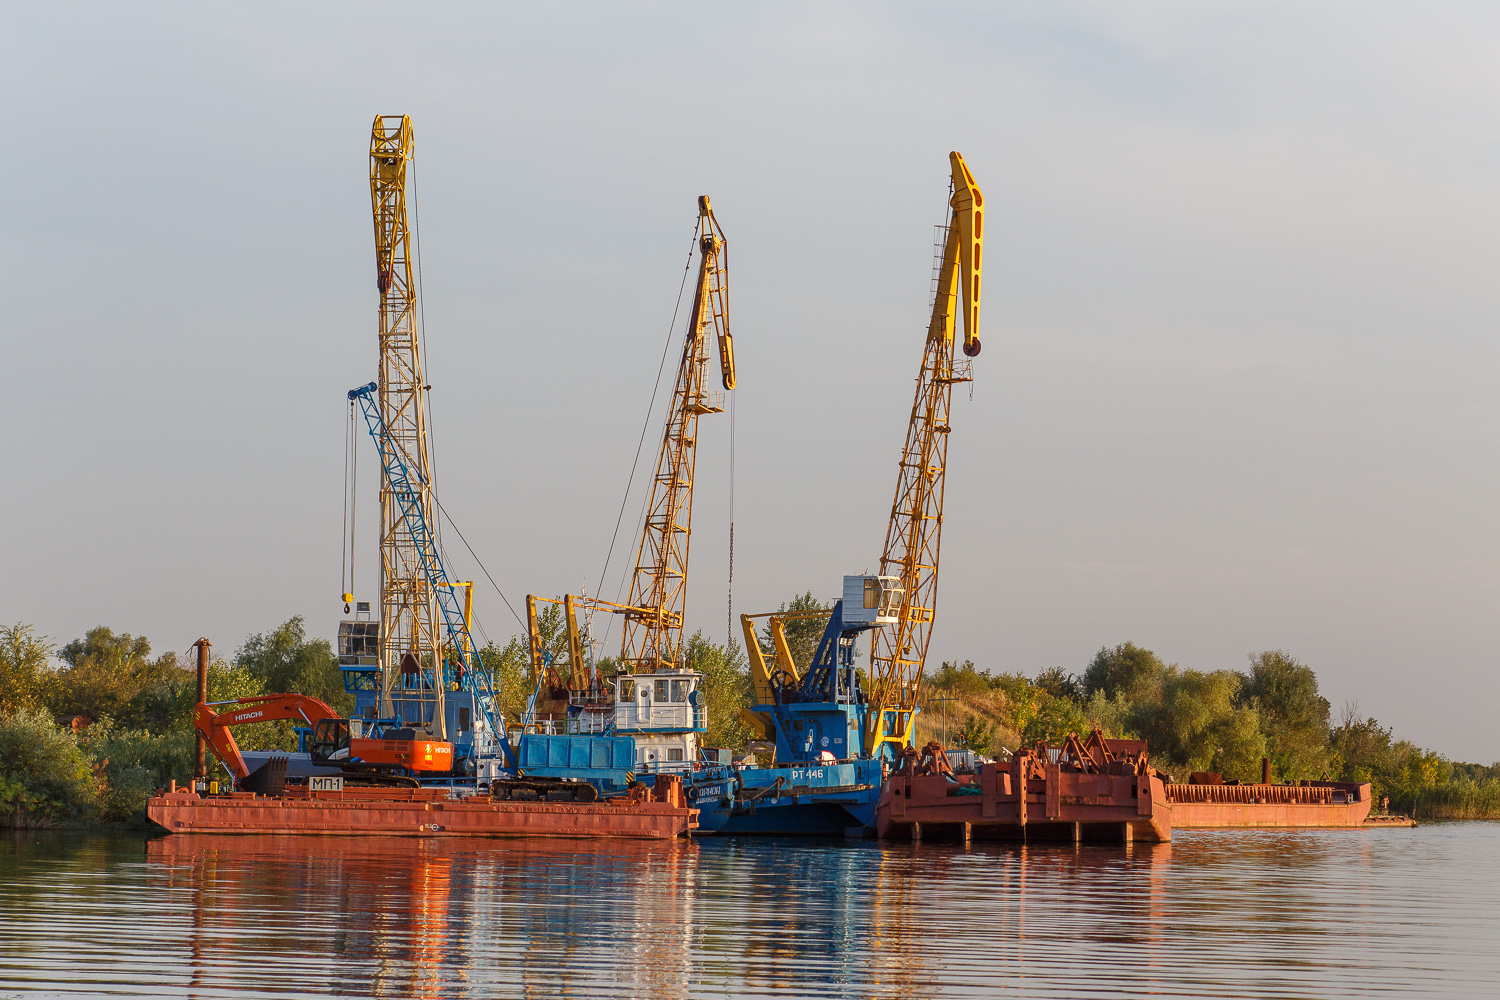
(415, 666)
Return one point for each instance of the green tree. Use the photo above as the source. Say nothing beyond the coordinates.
(23, 667)
(1293, 716)
(726, 690)
(136, 762)
(1197, 723)
(510, 670)
(957, 678)
(1052, 719)
(803, 634)
(1060, 684)
(1127, 670)
(44, 774)
(104, 674)
(285, 660)
(976, 734)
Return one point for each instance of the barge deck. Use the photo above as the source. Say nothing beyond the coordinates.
(661, 813)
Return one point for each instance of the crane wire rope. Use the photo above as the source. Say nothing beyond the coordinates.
(416, 218)
(729, 589)
(645, 428)
(351, 497)
(482, 568)
(733, 397)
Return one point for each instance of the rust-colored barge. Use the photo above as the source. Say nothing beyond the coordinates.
(1311, 805)
(660, 813)
(1095, 790)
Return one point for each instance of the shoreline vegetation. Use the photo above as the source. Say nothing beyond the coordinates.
(85, 740)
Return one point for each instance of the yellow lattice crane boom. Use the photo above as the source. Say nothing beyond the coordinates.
(914, 534)
(410, 627)
(652, 636)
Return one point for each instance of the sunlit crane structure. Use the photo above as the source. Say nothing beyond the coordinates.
(652, 635)
(914, 533)
(409, 632)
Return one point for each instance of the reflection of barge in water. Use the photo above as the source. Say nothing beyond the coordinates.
(661, 812)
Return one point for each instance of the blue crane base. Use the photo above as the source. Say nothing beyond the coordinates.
(796, 800)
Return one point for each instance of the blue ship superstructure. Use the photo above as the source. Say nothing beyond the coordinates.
(824, 780)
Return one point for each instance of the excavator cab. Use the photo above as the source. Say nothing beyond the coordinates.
(328, 738)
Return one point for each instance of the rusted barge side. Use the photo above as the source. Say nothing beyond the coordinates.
(1099, 790)
(1314, 805)
(423, 812)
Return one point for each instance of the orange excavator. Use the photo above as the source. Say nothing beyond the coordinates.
(392, 752)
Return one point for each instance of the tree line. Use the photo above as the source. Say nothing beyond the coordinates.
(1222, 721)
(139, 708)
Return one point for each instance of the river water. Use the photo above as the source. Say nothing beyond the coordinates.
(1404, 913)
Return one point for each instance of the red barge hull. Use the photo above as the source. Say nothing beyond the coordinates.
(1316, 805)
(1006, 803)
(418, 812)
(1098, 790)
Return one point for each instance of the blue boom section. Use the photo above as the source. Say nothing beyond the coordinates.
(405, 484)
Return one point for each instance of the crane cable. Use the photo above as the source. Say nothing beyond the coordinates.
(351, 496)
(645, 427)
(729, 593)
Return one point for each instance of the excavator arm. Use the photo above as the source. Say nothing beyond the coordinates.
(215, 727)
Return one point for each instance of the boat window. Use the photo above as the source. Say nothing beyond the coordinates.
(662, 691)
(627, 689)
(674, 753)
(890, 604)
(679, 691)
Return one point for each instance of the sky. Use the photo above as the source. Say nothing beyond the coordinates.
(1238, 387)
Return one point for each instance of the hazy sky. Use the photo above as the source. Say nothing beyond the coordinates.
(1238, 389)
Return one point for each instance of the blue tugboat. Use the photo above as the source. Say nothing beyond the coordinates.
(823, 779)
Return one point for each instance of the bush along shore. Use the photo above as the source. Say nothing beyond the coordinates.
(90, 729)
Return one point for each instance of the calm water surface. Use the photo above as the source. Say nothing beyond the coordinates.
(1307, 914)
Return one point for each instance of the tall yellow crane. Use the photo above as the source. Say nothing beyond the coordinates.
(410, 630)
(652, 636)
(914, 533)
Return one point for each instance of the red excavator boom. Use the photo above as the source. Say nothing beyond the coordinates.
(214, 726)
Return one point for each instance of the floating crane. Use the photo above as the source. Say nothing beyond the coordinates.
(914, 534)
(834, 730)
(652, 635)
(417, 665)
(409, 631)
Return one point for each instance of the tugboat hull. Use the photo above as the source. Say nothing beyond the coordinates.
(816, 800)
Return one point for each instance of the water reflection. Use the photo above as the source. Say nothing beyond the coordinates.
(1214, 914)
